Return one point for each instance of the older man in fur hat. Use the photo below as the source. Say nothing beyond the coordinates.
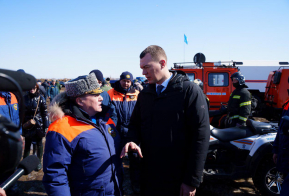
(80, 151)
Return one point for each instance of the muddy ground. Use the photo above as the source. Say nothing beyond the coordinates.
(31, 185)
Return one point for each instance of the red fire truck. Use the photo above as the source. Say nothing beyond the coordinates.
(218, 85)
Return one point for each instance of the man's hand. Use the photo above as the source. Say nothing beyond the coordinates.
(187, 190)
(275, 156)
(2, 192)
(131, 146)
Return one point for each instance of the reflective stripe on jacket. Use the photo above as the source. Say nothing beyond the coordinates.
(239, 105)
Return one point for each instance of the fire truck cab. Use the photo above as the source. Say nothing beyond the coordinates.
(215, 76)
(277, 89)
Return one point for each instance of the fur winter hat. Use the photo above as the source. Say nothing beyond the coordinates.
(83, 85)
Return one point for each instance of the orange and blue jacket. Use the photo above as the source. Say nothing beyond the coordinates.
(80, 158)
(9, 107)
(124, 104)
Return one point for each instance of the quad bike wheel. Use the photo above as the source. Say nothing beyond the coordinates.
(267, 179)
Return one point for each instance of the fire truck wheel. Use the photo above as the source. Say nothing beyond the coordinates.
(267, 179)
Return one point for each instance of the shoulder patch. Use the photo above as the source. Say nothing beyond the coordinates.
(111, 132)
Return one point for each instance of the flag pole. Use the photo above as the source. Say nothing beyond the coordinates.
(184, 52)
(185, 42)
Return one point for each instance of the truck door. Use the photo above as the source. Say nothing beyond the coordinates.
(217, 88)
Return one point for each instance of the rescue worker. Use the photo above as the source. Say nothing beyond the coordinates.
(52, 90)
(239, 105)
(42, 90)
(124, 96)
(80, 150)
(9, 108)
(201, 85)
(281, 151)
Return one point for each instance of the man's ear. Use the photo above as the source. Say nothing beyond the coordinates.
(163, 63)
(79, 101)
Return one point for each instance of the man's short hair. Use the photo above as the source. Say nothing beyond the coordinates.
(155, 51)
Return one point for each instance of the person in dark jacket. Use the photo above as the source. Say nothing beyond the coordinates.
(281, 151)
(35, 108)
(45, 85)
(171, 122)
(42, 90)
(80, 150)
(52, 90)
(108, 112)
(239, 105)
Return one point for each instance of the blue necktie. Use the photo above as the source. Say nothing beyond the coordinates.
(159, 89)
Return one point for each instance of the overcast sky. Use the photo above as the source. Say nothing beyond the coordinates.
(68, 38)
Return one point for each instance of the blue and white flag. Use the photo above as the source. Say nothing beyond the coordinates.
(185, 39)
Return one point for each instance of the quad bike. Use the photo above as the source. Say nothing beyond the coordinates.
(243, 153)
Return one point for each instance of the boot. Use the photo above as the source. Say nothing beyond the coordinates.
(39, 155)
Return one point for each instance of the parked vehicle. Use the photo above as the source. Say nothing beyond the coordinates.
(269, 88)
(243, 153)
(277, 92)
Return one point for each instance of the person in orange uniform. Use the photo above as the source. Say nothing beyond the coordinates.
(9, 108)
(80, 149)
(124, 97)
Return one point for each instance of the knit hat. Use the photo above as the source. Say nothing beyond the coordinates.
(126, 75)
(83, 85)
(98, 75)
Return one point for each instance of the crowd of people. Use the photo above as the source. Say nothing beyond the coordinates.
(90, 127)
